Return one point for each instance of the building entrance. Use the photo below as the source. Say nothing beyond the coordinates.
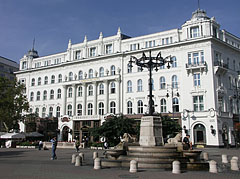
(199, 132)
(65, 134)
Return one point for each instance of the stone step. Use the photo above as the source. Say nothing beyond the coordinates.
(154, 154)
(156, 149)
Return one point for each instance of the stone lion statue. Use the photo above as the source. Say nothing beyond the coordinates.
(176, 139)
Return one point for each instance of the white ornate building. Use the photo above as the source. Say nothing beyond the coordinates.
(92, 79)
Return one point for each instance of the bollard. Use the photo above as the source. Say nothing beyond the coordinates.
(205, 156)
(133, 166)
(78, 161)
(235, 158)
(74, 158)
(82, 155)
(224, 158)
(234, 165)
(176, 167)
(213, 166)
(97, 164)
(95, 155)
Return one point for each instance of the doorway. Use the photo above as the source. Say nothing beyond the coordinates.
(199, 132)
(65, 134)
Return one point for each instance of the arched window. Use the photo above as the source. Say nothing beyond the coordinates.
(174, 81)
(39, 81)
(33, 81)
(59, 93)
(129, 86)
(43, 112)
(129, 107)
(45, 80)
(31, 96)
(70, 92)
(52, 94)
(60, 78)
(53, 79)
(162, 82)
(139, 85)
(79, 110)
(174, 64)
(90, 73)
(58, 111)
(80, 75)
(129, 68)
(80, 91)
(70, 76)
(90, 109)
(44, 95)
(113, 88)
(153, 84)
(69, 111)
(101, 72)
(175, 105)
(101, 108)
(37, 111)
(30, 110)
(113, 71)
(50, 111)
(90, 90)
(101, 88)
(163, 106)
(113, 107)
(38, 95)
(140, 107)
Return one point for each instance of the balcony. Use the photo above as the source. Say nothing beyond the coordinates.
(220, 67)
(196, 67)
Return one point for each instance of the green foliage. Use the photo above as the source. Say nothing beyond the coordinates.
(169, 126)
(27, 143)
(113, 128)
(12, 102)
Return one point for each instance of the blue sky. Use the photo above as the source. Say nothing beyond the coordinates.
(54, 22)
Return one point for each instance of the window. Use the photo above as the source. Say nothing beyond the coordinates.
(79, 110)
(90, 109)
(113, 88)
(59, 78)
(167, 41)
(37, 111)
(46, 80)
(174, 64)
(113, 72)
(92, 52)
(52, 94)
(162, 41)
(129, 68)
(196, 78)
(134, 46)
(44, 95)
(174, 81)
(58, 93)
(80, 91)
(149, 44)
(70, 76)
(195, 58)
(101, 72)
(24, 65)
(70, 92)
(31, 96)
(30, 110)
(175, 105)
(139, 85)
(162, 83)
(58, 111)
(69, 111)
(129, 86)
(38, 96)
(198, 103)
(194, 32)
(39, 81)
(101, 108)
(101, 88)
(139, 69)
(129, 107)
(109, 49)
(50, 111)
(163, 106)
(90, 73)
(113, 107)
(33, 82)
(53, 79)
(78, 54)
(140, 107)
(80, 75)
(90, 90)
(43, 112)
(152, 84)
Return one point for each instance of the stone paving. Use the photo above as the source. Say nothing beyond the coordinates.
(35, 164)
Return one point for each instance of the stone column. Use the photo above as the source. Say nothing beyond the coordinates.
(118, 96)
(84, 85)
(106, 100)
(95, 98)
(74, 99)
(64, 98)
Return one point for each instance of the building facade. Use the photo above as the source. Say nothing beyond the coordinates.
(94, 79)
(7, 68)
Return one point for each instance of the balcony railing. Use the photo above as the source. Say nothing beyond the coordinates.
(221, 64)
(199, 66)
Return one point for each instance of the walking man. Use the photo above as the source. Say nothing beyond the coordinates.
(54, 147)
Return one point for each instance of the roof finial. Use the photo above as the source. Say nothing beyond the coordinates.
(198, 4)
(33, 43)
(69, 43)
(100, 35)
(85, 39)
(119, 31)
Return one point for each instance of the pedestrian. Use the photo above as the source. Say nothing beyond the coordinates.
(54, 147)
(40, 145)
(77, 144)
(105, 145)
(187, 143)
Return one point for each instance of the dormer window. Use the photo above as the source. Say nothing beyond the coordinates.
(194, 32)
(109, 49)
(150, 44)
(24, 65)
(78, 54)
(92, 52)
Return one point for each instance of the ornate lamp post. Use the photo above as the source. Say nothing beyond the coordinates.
(151, 63)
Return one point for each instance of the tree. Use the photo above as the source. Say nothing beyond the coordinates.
(169, 126)
(113, 128)
(12, 103)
